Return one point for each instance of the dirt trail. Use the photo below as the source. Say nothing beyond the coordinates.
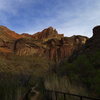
(36, 96)
(32, 94)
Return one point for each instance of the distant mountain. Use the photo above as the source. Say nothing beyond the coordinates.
(46, 43)
(6, 34)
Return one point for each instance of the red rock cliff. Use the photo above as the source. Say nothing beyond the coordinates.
(46, 43)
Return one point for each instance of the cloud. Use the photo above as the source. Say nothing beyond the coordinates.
(77, 18)
(68, 16)
(12, 6)
(81, 19)
(15, 12)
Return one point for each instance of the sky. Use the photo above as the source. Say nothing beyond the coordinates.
(69, 17)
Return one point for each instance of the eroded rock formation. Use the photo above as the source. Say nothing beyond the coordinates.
(46, 43)
(94, 42)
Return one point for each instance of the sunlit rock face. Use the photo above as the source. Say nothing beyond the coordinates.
(53, 48)
(65, 47)
(7, 38)
(27, 47)
(46, 43)
(6, 34)
(47, 34)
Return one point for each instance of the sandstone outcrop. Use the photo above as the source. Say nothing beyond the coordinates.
(46, 43)
(6, 34)
(7, 38)
(64, 48)
(53, 49)
(48, 33)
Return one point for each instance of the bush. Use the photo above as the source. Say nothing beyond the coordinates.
(18, 74)
(85, 69)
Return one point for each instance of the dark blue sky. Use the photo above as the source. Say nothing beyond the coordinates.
(67, 16)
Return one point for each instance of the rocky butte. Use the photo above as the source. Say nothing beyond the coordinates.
(48, 43)
(92, 44)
